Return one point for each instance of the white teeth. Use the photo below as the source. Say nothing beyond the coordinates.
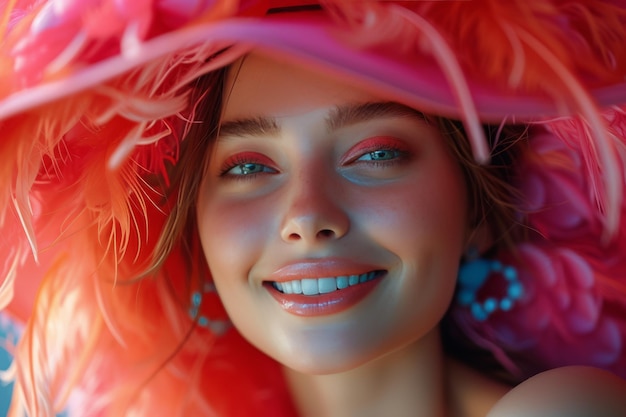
(296, 286)
(287, 288)
(309, 286)
(342, 282)
(312, 286)
(326, 285)
(353, 279)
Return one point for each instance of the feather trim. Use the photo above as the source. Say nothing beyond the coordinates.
(95, 115)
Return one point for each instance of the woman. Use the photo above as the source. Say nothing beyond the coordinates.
(299, 186)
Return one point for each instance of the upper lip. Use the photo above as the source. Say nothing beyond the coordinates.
(320, 268)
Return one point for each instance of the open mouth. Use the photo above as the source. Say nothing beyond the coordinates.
(316, 286)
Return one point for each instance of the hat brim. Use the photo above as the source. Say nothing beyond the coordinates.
(415, 79)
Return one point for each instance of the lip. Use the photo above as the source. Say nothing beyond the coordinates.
(322, 304)
(320, 268)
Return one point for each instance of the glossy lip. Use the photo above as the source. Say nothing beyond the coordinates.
(320, 268)
(322, 304)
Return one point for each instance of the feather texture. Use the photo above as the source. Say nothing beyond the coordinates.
(573, 276)
(93, 117)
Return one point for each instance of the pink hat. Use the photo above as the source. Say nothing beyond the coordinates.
(96, 97)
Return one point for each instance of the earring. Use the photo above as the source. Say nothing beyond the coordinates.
(218, 327)
(474, 274)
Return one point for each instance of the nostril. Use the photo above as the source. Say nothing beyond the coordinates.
(325, 233)
(322, 234)
(294, 236)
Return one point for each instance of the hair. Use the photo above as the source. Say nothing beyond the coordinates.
(493, 197)
(494, 203)
(185, 178)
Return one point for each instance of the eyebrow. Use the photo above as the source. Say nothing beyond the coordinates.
(347, 115)
(257, 126)
(337, 118)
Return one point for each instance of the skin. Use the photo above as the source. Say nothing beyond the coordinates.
(406, 216)
(315, 193)
(573, 391)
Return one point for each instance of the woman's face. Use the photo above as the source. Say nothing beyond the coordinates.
(332, 220)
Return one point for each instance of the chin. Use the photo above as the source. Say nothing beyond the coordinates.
(327, 362)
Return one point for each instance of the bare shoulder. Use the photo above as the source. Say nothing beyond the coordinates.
(573, 391)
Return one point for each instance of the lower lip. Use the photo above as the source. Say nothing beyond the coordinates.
(323, 304)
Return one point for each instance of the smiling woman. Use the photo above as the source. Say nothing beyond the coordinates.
(324, 207)
(350, 191)
(334, 209)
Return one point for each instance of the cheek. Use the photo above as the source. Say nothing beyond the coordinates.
(231, 234)
(424, 225)
(231, 242)
(419, 216)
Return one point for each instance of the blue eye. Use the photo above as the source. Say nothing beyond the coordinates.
(378, 152)
(248, 168)
(247, 165)
(380, 155)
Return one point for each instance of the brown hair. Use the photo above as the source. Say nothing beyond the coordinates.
(188, 172)
(493, 197)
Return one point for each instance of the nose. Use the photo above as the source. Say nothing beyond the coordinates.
(313, 212)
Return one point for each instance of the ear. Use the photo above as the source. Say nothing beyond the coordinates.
(479, 239)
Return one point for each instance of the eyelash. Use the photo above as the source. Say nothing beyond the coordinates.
(242, 159)
(354, 155)
(377, 144)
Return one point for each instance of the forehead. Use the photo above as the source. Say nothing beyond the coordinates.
(260, 85)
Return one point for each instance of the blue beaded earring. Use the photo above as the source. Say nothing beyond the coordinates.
(218, 327)
(472, 276)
